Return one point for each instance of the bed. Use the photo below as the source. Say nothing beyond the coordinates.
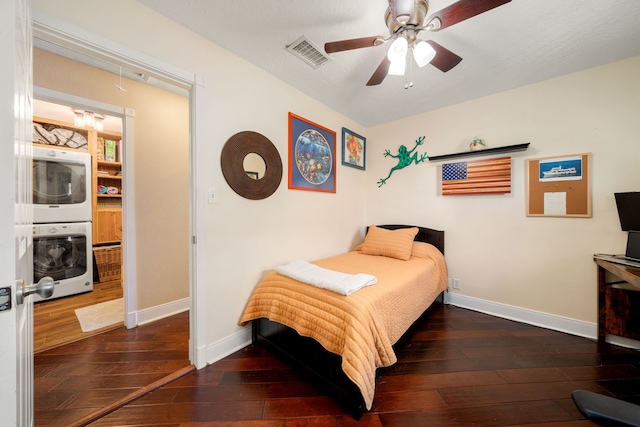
(341, 340)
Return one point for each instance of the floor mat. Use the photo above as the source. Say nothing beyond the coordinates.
(101, 315)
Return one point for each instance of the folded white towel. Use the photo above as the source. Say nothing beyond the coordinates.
(335, 281)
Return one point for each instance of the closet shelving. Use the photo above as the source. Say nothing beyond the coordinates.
(106, 208)
(107, 212)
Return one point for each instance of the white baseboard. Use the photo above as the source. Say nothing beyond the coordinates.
(159, 312)
(241, 339)
(221, 349)
(531, 317)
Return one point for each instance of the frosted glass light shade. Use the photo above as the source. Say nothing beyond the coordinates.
(78, 120)
(98, 124)
(398, 49)
(423, 53)
(396, 68)
(88, 118)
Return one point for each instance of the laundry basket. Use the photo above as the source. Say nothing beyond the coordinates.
(109, 262)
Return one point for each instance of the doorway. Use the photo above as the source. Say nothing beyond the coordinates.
(90, 303)
(156, 225)
(53, 33)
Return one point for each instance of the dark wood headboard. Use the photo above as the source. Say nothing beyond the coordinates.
(429, 235)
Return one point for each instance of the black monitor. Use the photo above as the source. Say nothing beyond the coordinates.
(629, 210)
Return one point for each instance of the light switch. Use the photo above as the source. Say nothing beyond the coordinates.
(213, 196)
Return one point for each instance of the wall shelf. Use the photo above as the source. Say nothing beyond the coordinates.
(486, 151)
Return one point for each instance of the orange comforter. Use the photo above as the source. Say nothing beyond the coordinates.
(363, 326)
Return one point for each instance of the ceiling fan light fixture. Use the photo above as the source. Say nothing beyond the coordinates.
(398, 50)
(423, 53)
(397, 68)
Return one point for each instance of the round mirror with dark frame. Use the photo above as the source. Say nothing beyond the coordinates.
(251, 165)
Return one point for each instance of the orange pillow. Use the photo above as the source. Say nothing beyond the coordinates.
(424, 250)
(390, 243)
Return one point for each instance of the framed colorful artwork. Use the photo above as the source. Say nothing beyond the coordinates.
(312, 160)
(354, 149)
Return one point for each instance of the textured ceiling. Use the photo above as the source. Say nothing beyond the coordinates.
(522, 42)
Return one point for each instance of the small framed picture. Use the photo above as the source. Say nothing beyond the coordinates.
(312, 161)
(354, 148)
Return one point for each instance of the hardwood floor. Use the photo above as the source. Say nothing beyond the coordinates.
(73, 381)
(55, 322)
(461, 368)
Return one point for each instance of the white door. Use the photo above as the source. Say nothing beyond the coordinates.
(16, 321)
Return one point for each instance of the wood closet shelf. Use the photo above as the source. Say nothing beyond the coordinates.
(106, 208)
(486, 151)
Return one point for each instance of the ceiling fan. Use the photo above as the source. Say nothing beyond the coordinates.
(405, 20)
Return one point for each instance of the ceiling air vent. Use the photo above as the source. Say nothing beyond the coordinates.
(306, 50)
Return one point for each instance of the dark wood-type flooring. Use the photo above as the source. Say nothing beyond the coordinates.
(74, 380)
(461, 368)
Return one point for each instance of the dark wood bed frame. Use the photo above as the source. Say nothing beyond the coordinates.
(319, 364)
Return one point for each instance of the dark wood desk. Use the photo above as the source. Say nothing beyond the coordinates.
(618, 300)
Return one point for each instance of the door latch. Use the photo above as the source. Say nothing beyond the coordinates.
(5, 299)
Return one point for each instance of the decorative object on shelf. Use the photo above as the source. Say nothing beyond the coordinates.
(354, 149)
(486, 151)
(559, 186)
(90, 119)
(492, 176)
(100, 148)
(477, 144)
(49, 134)
(405, 158)
(109, 150)
(234, 152)
(312, 161)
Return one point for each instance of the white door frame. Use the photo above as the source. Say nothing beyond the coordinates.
(61, 33)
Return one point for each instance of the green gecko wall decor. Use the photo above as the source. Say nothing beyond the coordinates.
(405, 158)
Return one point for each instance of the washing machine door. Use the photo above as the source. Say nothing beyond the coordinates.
(60, 257)
(58, 182)
(61, 186)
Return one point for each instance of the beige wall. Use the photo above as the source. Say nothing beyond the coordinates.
(244, 238)
(161, 146)
(500, 254)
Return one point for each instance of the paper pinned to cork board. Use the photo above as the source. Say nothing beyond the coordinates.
(555, 203)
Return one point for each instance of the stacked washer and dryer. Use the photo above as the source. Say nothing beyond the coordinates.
(62, 245)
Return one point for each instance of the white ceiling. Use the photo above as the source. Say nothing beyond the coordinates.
(519, 43)
(522, 42)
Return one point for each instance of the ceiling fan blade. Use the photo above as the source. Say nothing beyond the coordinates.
(462, 10)
(342, 45)
(444, 59)
(380, 73)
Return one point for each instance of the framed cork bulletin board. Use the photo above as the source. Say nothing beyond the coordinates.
(559, 186)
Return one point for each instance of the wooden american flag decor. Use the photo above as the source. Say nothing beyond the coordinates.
(491, 176)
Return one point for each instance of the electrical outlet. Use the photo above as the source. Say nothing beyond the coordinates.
(456, 283)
